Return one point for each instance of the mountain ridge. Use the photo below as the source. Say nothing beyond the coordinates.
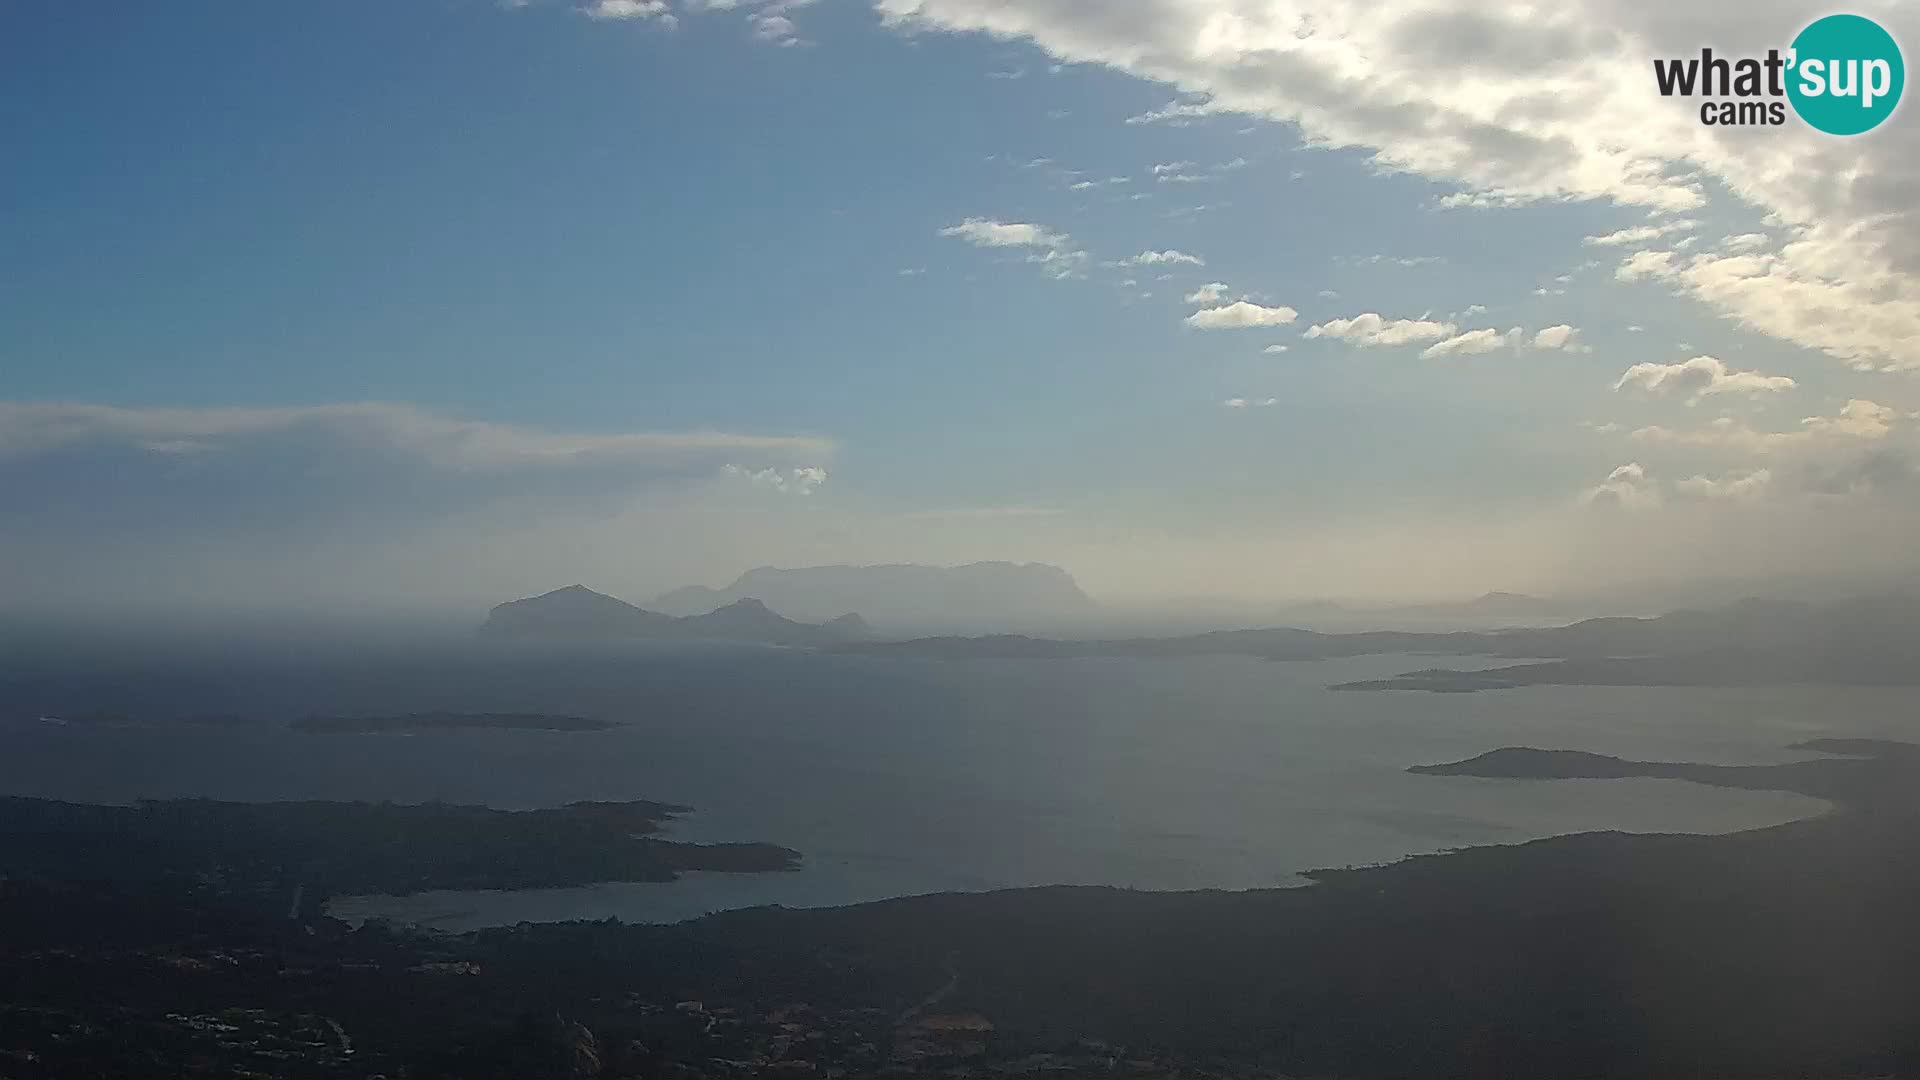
(577, 613)
(900, 594)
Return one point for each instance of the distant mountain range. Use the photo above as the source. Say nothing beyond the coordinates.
(1872, 640)
(577, 613)
(903, 595)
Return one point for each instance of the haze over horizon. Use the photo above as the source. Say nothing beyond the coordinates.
(1267, 302)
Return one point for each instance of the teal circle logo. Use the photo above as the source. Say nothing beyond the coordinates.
(1846, 74)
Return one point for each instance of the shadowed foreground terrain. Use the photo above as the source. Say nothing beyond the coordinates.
(1786, 951)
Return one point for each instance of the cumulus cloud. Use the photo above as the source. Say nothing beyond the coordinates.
(1175, 113)
(1370, 330)
(1563, 337)
(1857, 419)
(767, 20)
(1513, 106)
(1163, 258)
(1640, 234)
(1799, 294)
(1271, 349)
(1472, 342)
(1209, 293)
(986, 232)
(1753, 484)
(1178, 172)
(630, 9)
(1628, 486)
(777, 29)
(1698, 378)
(1249, 403)
(1241, 315)
(1052, 251)
(801, 481)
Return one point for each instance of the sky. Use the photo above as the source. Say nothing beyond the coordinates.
(385, 303)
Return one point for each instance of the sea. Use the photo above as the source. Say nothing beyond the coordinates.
(898, 777)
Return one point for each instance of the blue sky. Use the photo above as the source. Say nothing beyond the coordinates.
(761, 284)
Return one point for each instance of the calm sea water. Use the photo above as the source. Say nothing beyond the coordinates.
(899, 777)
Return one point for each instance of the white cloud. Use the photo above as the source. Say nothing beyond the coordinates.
(1644, 264)
(1562, 337)
(1745, 242)
(1856, 420)
(1164, 258)
(1370, 329)
(1753, 484)
(1209, 293)
(986, 232)
(1275, 349)
(629, 9)
(1628, 486)
(1799, 294)
(1397, 260)
(1168, 168)
(1052, 251)
(801, 481)
(1698, 378)
(775, 28)
(1175, 113)
(1249, 403)
(1473, 342)
(1515, 106)
(1640, 234)
(1241, 315)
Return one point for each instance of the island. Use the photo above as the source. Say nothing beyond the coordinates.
(1873, 774)
(334, 848)
(446, 721)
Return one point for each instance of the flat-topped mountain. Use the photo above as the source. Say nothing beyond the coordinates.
(901, 595)
(577, 613)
